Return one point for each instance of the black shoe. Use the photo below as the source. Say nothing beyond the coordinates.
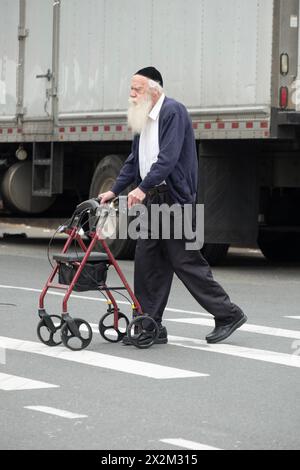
(222, 332)
(162, 337)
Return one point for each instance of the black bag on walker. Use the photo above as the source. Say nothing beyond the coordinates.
(91, 277)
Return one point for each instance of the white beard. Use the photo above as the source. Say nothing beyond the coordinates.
(138, 113)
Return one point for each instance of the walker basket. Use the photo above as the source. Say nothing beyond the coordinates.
(92, 276)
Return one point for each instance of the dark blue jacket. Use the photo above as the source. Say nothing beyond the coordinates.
(177, 162)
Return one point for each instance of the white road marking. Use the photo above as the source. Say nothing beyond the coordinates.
(199, 321)
(188, 444)
(121, 364)
(56, 412)
(293, 317)
(2, 356)
(189, 312)
(97, 299)
(60, 294)
(13, 382)
(263, 330)
(250, 353)
(264, 355)
(101, 360)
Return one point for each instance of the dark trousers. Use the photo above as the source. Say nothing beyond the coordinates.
(156, 261)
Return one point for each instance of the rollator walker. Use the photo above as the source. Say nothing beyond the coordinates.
(80, 268)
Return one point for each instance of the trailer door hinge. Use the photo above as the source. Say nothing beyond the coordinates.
(20, 110)
(22, 32)
(47, 75)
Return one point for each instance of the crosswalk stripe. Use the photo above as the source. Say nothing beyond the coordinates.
(98, 299)
(59, 294)
(189, 312)
(291, 360)
(188, 444)
(56, 412)
(263, 330)
(2, 356)
(196, 321)
(121, 364)
(250, 353)
(293, 317)
(13, 382)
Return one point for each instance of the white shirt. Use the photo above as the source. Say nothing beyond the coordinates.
(149, 140)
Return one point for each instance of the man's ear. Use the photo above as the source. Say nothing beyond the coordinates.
(155, 95)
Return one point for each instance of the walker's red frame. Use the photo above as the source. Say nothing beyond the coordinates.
(95, 236)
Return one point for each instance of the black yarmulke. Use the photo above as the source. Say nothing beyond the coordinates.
(152, 73)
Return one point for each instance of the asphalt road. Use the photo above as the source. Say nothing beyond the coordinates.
(241, 394)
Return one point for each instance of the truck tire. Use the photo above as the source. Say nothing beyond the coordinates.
(280, 247)
(16, 190)
(104, 176)
(214, 253)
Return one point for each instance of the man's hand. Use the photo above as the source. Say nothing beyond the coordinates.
(104, 197)
(135, 197)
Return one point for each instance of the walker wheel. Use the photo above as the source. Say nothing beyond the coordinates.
(107, 329)
(79, 340)
(48, 330)
(142, 331)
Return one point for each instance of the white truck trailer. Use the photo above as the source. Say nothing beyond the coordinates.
(65, 71)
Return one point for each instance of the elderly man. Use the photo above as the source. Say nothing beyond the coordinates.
(164, 166)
